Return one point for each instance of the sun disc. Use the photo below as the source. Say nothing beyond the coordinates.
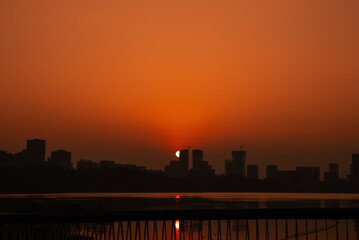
(178, 154)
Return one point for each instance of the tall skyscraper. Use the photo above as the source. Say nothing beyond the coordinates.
(197, 158)
(36, 150)
(183, 161)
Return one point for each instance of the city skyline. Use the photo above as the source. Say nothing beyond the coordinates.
(25, 171)
(191, 160)
(107, 79)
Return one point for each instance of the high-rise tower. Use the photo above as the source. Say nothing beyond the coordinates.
(183, 162)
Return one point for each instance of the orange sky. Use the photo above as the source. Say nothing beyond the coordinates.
(133, 81)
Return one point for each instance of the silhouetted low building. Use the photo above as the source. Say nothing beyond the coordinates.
(60, 158)
(87, 165)
(7, 159)
(271, 171)
(132, 167)
(23, 159)
(302, 177)
(252, 172)
(173, 169)
(332, 176)
(107, 164)
(287, 177)
(308, 174)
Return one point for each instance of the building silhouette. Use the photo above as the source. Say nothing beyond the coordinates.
(308, 174)
(36, 151)
(200, 167)
(252, 172)
(7, 159)
(84, 165)
(183, 160)
(22, 159)
(178, 169)
(60, 158)
(303, 176)
(107, 164)
(332, 176)
(173, 169)
(271, 170)
(286, 177)
(27, 169)
(354, 169)
(197, 157)
(131, 167)
(236, 166)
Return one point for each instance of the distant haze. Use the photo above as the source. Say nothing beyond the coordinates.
(134, 81)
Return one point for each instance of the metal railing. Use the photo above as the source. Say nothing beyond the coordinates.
(276, 224)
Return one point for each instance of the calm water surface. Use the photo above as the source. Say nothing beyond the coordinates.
(209, 195)
(170, 201)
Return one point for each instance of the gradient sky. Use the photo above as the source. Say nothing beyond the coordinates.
(133, 81)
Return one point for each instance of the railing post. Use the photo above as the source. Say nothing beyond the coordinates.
(326, 229)
(336, 229)
(316, 229)
(146, 232)
(219, 231)
(286, 229)
(180, 229)
(190, 234)
(138, 229)
(129, 230)
(183, 230)
(296, 229)
(237, 230)
(306, 229)
(248, 236)
(172, 227)
(155, 233)
(228, 233)
(164, 232)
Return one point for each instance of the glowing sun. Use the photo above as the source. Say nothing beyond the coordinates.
(178, 154)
